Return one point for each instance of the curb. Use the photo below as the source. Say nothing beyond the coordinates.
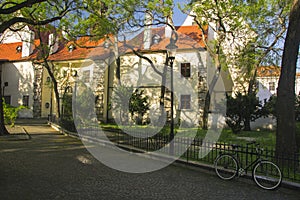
(178, 162)
(24, 135)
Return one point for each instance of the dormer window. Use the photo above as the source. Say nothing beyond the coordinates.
(106, 44)
(71, 47)
(156, 39)
(19, 49)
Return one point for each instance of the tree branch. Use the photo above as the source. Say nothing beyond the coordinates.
(18, 6)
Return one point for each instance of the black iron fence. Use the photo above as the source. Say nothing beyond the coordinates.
(206, 152)
(199, 150)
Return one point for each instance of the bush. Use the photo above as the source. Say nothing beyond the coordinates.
(242, 109)
(138, 106)
(11, 113)
(127, 100)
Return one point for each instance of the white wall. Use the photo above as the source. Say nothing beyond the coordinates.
(11, 36)
(20, 78)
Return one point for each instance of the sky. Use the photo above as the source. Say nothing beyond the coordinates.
(179, 17)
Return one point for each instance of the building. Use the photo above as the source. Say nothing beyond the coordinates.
(20, 77)
(94, 63)
(267, 79)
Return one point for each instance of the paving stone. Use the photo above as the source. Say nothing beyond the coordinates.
(54, 166)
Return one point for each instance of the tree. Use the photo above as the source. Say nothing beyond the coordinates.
(285, 106)
(3, 130)
(224, 19)
(33, 12)
(138, 106)
(121, 99)
(253, 29)
(122, 19)
(14, 15)
(242, 108)
(268, 20)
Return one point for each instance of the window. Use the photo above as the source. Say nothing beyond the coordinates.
(25, 100)
(7, 100)
(272, 86)
(185, 101)
(186, 69)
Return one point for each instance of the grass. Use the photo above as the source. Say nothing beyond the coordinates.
(266, 138)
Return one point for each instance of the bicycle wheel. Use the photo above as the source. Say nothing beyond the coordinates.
(267, 175)
(226, 166)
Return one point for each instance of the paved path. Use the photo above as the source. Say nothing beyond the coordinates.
(54, 166)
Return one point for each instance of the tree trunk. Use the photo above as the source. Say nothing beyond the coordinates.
(251, 90)
(55, 88)
(247, 126)
(285, 106)
(118, 70)
(208, 98)
(3, 130)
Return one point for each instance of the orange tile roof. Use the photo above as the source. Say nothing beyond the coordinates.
(84, 48)
(188, 37)
(8, 51)
(268, 71)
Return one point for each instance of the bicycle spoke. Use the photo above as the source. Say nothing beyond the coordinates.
(267, 175)
(226, 167)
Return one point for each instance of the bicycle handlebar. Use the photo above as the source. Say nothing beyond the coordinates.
(258, 149)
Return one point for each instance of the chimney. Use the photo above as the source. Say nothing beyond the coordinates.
(28, 44)
(147, 30)
(168, 29)
(53, 43)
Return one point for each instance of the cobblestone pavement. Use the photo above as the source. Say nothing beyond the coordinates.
(54, 166)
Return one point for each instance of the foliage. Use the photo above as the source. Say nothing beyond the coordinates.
(127, 100)
(138, 105)
(270, 106)
(11, 113)
(35, 13)
(103, 18)
(67, 120)
(252, 31)
(297, 107)
(240, 108)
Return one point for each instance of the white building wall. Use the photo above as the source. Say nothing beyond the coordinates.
(20, 78)
(11, 37)
(264, 92)
(137, 72)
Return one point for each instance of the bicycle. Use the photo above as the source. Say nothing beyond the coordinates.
(265, 174)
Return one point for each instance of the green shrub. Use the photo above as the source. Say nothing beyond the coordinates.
(67, 121)
(11, 113)
(242, 109)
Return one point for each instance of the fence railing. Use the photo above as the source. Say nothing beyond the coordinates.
(197, 147)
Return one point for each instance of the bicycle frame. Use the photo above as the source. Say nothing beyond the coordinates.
(229, 165)
(250, 165)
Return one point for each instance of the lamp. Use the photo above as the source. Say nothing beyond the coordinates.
(171, 50)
